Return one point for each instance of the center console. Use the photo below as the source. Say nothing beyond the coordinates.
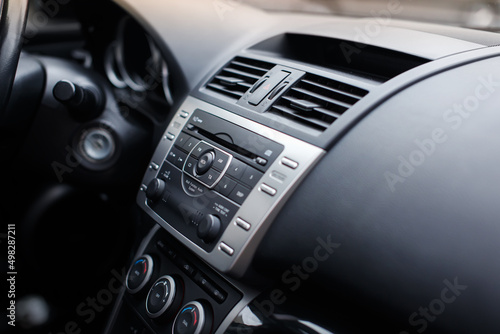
(213, 186)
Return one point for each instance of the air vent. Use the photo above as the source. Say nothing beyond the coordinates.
(238, 76)
(317, 101)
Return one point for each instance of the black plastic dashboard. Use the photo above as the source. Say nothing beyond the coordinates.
(384, 161)
(308, 173)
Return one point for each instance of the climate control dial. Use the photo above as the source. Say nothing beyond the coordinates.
(162, 297)
(193, 318)
(139, 273)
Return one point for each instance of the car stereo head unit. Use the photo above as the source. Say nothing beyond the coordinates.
(216, 181)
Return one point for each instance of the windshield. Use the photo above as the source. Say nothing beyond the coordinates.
(478, 14)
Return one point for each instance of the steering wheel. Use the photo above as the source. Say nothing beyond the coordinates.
(13, 18)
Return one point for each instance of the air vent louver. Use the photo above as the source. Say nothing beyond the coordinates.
(238, 76)
(317, 101)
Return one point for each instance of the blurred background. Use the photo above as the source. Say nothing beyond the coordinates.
(477, 14)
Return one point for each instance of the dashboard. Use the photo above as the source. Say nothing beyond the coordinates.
(242, 171)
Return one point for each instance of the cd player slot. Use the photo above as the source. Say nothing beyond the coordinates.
(227, 145)
(255, 149)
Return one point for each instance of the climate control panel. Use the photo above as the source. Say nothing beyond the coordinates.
(172, 291)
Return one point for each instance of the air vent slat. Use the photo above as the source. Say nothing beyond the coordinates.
(225, 90)
(328, 112)
(316, 101)
(251, 67)
(243, 74)
(353, 92)
(322, 97)
(228, 81)
(302, 104)
(291, 113)
(237, 77)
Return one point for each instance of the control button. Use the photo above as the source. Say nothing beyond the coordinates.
(165, 249)
(267, 87)
(289, 163)
(239, 194)
(185, 266)
(190, 144)
(182, 139)
(277, 90)
(155, 190)
(139, 274)
(203, 282)
(225, 186)
(170, 136)
(211, 288)
(210, 177)
(154, 166)
(209, 228)
(267, 189)
(236, 169)
(172, 155)
(184, 114)
(206, 161)
(221, 160)
(176, 157)
(251, 176)
(200, 149)
(191, 319)
(190, 166)
(219, 295)
(243, 224)
(161, 296)
(226, 249)
(181, 159)
(193, 188)
(168, 173)
(261, 161)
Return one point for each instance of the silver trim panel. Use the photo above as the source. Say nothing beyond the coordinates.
(259, 209)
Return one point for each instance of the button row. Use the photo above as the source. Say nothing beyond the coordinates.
(182, 263)
(206, 164)
(210, 287)
(187, 268)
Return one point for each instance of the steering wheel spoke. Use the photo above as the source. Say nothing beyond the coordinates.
(13, 18)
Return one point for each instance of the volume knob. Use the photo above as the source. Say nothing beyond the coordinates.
(209, 228)
(155, 189)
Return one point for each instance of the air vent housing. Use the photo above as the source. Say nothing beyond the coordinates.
(316, 102)
(237, 77)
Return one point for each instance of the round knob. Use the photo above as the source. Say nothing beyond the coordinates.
(139, 273)
(209, 228)
(155, 190)
(87, 102)
(193, 318)
(206, 161)
(161, 296)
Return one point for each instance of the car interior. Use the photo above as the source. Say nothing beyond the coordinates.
(248, 166)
